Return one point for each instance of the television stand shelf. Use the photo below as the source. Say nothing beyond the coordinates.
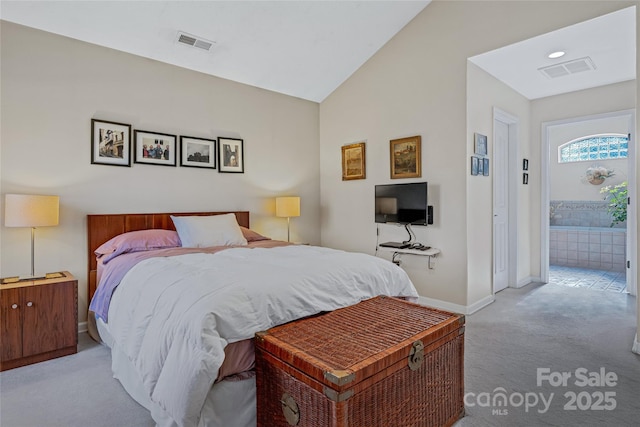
(430, 253)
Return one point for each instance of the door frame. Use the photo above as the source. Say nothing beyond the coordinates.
(632, 226)
(512, 178)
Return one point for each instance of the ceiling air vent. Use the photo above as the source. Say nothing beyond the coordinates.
(193, 41)
(569, 67)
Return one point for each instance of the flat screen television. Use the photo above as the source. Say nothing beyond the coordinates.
(402, 204)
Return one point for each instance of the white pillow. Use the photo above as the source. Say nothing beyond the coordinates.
(207, 231)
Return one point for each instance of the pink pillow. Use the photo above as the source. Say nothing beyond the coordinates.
(251, 235)
(137, 241)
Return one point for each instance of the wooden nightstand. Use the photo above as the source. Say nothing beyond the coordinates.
(39, 320)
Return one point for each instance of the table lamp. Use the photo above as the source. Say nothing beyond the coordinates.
(25, 210)
(287, 207)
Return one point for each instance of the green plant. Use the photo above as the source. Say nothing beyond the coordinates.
(617, 198)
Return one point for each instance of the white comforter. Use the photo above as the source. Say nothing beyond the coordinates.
(173, 316)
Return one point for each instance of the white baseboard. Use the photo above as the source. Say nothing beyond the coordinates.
(82, 327)
(636, 346)
(526, 281)
(456, 308)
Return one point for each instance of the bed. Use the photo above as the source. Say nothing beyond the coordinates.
(181, 318)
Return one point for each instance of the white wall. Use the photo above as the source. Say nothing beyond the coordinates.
(484, 92)
(568, 180)
(636, 344)
(417, 85)
(53, 86)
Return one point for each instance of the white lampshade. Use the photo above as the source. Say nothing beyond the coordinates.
(287, 207)
(25, 210)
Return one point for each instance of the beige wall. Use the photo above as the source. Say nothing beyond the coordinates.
(568, 180)
(636, 345)
(53, 86)
(417, 85)
(484, 92)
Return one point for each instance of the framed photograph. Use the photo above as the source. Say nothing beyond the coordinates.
(197, 152)
(110, 143)
(485, 167)
(480, 144)
(353, 161)
(406, 155)
(231, 155)
(525, 164)
(474, 165)
(480, 166)
(525, 178)
(155, 148)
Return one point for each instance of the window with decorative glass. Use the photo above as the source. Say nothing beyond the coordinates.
(594, 147)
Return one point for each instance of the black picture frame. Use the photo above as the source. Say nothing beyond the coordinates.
(155, 148)
(474, 165)
(525, 178)
(197, 152)
(230, 155)
(110, 143)
(525, 164)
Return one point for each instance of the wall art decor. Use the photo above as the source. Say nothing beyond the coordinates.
(354, 161)
(155, 148)
(474, 165)
(197, 152)
(525, 164)
(480, 144)
(231, 155)
(525, 178)
(485, 166)
(406, 155)
(110, 143)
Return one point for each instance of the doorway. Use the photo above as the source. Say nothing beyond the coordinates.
(576, 228)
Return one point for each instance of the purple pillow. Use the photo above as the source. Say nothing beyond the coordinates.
(251, 235)
(137, 241)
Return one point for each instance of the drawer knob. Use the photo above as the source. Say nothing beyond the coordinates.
(29, 304)
(14, 306)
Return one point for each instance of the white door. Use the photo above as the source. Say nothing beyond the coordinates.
(500, 206)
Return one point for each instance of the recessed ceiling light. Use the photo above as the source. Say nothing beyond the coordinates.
(557, 54)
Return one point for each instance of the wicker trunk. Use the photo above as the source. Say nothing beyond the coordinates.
(383, 362)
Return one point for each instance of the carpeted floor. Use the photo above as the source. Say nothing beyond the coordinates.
(554, 328)
(520, 345)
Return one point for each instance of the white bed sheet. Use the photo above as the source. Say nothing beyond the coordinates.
(229, 403)
(171, 318)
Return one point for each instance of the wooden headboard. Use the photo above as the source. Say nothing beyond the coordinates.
(101, 228)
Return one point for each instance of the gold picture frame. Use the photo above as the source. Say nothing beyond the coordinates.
(354, 162)
(406, 156)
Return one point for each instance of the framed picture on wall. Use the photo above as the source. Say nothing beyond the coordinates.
(485, 166)
(197, 152)
(353, 161)
(474, 165)
(406, 155)
(155, 148)
(480, 144)
(231, 155)
(110, 143)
